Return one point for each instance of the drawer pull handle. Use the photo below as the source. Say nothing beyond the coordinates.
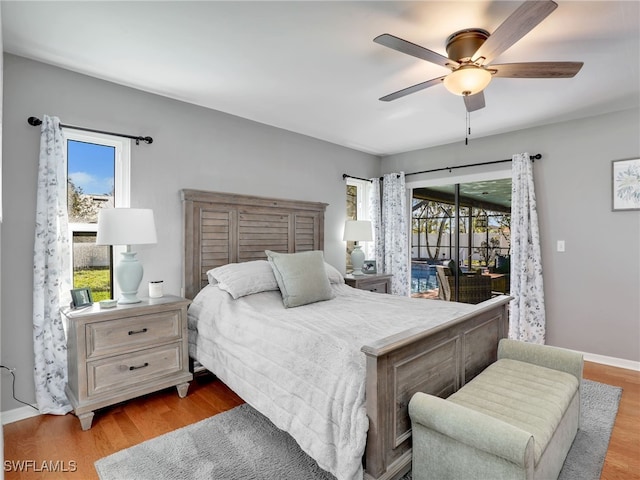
(146, 364)
(135, 332)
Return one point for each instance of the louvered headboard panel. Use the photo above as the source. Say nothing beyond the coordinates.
(221, 228)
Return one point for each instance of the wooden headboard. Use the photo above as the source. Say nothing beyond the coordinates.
(221, 228)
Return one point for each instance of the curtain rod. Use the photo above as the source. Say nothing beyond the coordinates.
(535, 157)
(345, 176)
(35, 121)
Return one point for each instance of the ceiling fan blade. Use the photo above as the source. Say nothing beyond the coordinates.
(537, 69)
(417, 51)
(474, 102)
(409, 90)
(516, 26)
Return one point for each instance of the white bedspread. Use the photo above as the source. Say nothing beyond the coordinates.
(302, 367)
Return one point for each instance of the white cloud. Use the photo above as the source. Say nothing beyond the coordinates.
(90, 183)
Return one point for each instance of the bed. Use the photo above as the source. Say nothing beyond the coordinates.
(430, 346)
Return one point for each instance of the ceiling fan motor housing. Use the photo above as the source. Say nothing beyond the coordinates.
(463, 44)
(470, 55)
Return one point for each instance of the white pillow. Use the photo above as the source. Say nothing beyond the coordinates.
(302, 277)
(240, 279)
(334, 275)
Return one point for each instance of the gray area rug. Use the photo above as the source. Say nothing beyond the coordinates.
(242, 444)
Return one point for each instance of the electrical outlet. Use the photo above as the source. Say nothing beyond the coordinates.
(560, 246)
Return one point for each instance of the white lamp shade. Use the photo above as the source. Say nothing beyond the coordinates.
(357, 231)
(126, 226)
(467, 80)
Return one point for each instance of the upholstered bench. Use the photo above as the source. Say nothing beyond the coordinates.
(516, 420)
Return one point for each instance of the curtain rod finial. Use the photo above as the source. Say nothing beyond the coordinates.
(146, 140)
(34, 121)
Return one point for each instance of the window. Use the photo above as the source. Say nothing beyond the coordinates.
(98, 173)
(358, 209)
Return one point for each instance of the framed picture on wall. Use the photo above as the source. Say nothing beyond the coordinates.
(626, 184)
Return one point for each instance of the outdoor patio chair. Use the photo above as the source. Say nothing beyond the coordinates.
(473, 288)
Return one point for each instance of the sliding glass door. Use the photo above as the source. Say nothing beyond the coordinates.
(458, 233)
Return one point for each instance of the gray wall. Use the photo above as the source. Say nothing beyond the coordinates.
(193, 148)
(592, 290)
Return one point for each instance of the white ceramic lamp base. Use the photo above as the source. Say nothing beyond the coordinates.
(357, 260)
(129, 275)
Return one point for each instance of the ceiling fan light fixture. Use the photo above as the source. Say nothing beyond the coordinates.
(467, 80)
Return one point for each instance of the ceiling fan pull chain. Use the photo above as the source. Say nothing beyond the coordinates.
(467, 128)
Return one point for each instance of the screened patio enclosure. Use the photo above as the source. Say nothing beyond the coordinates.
(481, 211)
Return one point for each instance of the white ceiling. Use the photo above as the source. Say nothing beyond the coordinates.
(312, 67)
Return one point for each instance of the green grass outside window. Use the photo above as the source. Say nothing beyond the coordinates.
(97, 279)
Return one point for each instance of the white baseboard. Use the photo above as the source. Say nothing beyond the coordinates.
(612, 361)
(17, 414)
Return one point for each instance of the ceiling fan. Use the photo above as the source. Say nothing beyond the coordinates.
(471, 51)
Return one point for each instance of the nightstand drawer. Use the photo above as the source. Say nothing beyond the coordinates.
(379, 287)
(118, 373)
(123, 335)
(378, 283)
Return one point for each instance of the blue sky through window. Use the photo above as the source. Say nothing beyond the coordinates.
(91, 167)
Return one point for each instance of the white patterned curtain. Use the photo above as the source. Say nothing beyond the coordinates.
(51, 282)
(389, 217)
(527, 314)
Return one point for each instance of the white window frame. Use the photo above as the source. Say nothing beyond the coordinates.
(363, 188)
(363, 193)
(121, 187)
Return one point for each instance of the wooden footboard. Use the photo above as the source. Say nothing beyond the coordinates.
(437, 361)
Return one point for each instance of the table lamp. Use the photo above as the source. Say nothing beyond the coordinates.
(127, 226)
(357, 231)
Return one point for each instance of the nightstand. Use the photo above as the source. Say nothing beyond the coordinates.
(120, 353)
(379, 283)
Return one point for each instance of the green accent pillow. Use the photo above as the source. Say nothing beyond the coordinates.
(302, 277)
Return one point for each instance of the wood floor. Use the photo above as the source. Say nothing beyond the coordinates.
(623, 456)
(57, 442)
